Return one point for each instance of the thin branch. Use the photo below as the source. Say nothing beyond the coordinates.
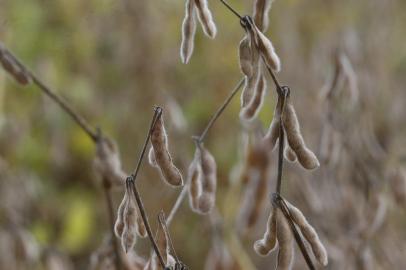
(285, 91)
(144, 216)
(231, 9)
(213, 119)
(57, 99)
(280, 157)
(177, 204)
(273, 76)
(157, 114)
(109, 202)
(131, 181)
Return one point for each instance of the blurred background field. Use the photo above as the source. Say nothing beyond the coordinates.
(114, 60)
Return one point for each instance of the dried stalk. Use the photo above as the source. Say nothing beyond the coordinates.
(217, 114)
(131, 181)
(58, 100)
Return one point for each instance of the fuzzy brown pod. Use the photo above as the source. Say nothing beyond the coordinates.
(12, 66)
(151, 157)
(295, 139)
(107, 162)
(159, 140)
(202, 177)
(285, 240)
(330, 146)
(289, 154)
(209, 181)
(129, 234)
(397, 181)
(375, 217)
(250, 67)
(268, 243)
(206, 18)
(188, 32)
(195, 182)
(272, 134)
(261, 13)
(163, 244)
(251, 110)
(246, 57)
(119, 224)
(267, 50)
(129, 222)
(309, 234)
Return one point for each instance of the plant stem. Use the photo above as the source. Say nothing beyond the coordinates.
(107, 195)
(57, 99)
(231, 9)
(66, 107)
(131, 181)
(217, 114)
(273, 76)
(177, 204)
(280, 157)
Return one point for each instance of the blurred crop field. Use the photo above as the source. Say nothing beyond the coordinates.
(114, 60)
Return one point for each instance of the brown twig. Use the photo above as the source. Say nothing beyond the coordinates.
(231, 9)
(57, 99)
(131, 181)
(217, 114)
(177, 204)
(284, 94)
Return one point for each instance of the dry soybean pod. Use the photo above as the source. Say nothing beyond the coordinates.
(309, 233)
(151, 158)
(267, 51)
(194, 181)
(251, 80)
(295, 139)
(273, 132)
(250, 111)
(268, 242)
(285, 239)
(119, 225)
(188, 32)
(209, 181)
(288, 153)
(261, 13)
(129, 235)
(159, 141)
(245, 56)
(140, 228)
(206, 18)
